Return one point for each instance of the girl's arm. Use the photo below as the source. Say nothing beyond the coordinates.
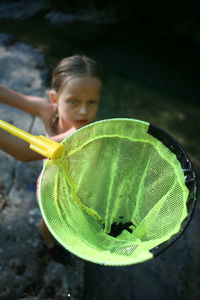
(17, 148)
(59, 137)
(30, 104)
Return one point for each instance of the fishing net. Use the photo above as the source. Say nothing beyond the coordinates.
(121, 189)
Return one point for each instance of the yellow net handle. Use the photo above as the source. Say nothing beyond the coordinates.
(40, 144)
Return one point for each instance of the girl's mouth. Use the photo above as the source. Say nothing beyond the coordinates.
(82, 121)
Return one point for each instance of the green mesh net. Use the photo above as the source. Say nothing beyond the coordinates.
(116, 193)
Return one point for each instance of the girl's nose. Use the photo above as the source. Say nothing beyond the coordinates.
(83, 110)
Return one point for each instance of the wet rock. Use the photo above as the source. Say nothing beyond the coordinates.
(23, 59)
(2, 201)
(21, 9)
(6, 38)
(55, 282)
(93, 16)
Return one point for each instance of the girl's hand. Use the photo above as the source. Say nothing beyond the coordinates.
(38, 106)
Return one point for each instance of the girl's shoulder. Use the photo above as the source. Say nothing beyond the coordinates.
(47, 113)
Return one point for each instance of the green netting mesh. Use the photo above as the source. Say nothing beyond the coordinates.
(113, 175)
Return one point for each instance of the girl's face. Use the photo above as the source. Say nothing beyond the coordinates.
(77, 102)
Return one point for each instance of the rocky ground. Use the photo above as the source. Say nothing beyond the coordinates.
(26, 272)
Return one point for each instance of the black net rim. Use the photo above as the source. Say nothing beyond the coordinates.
(190, 180)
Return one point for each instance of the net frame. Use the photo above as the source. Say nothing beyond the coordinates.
(191, 183)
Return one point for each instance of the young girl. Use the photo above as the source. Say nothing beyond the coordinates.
(73, 102)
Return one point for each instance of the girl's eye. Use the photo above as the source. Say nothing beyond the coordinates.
(93, 102)
(72, 101)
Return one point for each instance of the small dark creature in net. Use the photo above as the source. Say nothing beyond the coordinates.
(116, 229)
